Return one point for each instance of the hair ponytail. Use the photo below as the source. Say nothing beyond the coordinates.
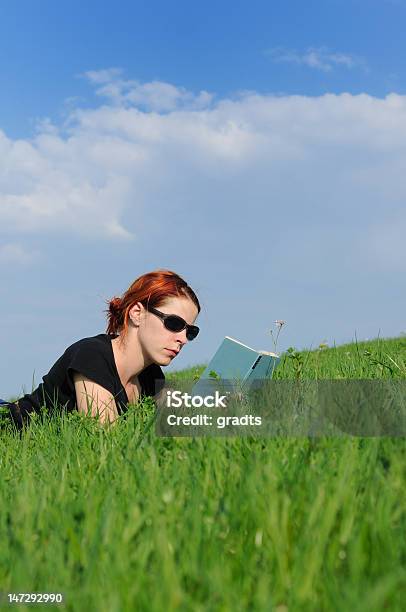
(115, 315)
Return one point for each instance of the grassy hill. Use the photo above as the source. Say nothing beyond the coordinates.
(121, 519)
(382, 357)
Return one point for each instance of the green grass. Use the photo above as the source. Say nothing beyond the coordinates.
(120, 519)
(381, 358)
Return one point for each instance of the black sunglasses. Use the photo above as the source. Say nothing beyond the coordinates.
(175, 323)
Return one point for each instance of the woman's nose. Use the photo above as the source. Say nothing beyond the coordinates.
(181, 336)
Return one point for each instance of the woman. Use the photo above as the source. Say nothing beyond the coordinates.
(101, 375)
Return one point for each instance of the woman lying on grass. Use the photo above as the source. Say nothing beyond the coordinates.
(101, 375)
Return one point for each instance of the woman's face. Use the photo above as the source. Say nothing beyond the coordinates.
(157, 342)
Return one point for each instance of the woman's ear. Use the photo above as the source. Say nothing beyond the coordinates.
(135, 313)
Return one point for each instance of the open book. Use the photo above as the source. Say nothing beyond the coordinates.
(236, 367)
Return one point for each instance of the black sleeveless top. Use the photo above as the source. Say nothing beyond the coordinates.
(94, 358)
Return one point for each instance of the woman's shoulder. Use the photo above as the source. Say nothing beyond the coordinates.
(100, 342)
(92, 351)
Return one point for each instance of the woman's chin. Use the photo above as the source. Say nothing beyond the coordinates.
(163, 360)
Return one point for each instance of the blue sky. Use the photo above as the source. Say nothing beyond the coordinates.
(218, 46)
(257, 148)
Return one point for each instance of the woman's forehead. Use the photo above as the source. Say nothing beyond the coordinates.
(182, 306)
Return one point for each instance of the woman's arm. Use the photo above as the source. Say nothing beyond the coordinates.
(94, 399)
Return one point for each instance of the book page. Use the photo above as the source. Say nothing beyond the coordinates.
(251, 349)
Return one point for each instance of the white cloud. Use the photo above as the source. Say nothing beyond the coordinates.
(155, 96)
(54, 182)
(320, 58)
(333, 163)
(14, 253)
(100, 77)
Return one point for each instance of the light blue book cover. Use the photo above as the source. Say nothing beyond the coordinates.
(234, 367)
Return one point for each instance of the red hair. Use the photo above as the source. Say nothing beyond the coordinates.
(151, 289)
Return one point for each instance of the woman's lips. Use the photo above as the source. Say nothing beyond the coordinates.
(172, 352)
